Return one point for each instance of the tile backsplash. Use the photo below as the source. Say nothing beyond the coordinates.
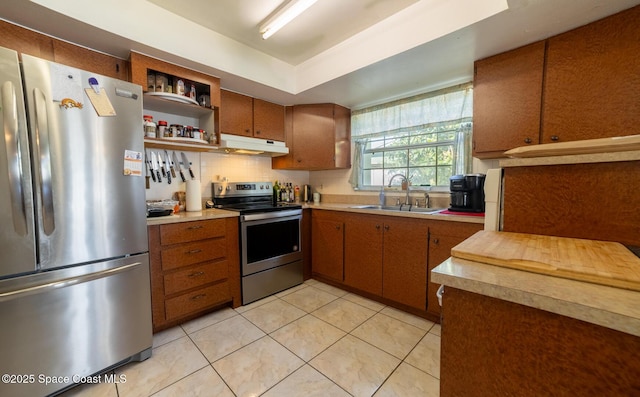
(213, 167)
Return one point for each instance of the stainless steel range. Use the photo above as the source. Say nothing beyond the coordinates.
(270, 249)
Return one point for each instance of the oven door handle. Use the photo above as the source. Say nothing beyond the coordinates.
(271, 215)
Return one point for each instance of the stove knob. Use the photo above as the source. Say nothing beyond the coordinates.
(261, 187)
(228, 189)
(219, 188)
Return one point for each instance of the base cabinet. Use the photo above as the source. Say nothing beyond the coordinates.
(442, 237)
(327, 246)
(405, 262)
(363, 247)
(385, 257)
(194, 268)
(491, 347)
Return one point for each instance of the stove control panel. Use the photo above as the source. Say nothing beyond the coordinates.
(241, 189)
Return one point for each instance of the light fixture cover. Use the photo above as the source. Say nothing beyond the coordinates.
(285, 15)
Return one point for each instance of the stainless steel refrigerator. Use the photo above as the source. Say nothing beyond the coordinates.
(74, 269)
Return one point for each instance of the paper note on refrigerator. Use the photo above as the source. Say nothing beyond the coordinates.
(100, 102)
(132, 163)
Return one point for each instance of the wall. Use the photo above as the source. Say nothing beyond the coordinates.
(336, 183)
(213, 167)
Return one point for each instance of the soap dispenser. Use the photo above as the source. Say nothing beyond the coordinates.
(381, 196)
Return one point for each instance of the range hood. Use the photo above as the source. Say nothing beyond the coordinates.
(245, 145)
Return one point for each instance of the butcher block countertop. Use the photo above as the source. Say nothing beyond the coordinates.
(593, 281)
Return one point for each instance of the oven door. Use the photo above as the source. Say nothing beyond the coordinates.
(269, 240)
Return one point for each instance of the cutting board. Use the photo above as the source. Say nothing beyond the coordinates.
(600, 262)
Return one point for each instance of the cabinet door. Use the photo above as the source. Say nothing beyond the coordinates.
(442, 237)
(592, 84)
(327, 252)
(313, 136)
(26, 41)
(268, 120)
(82, 58)
(363, 253)
(236, 113)
(405, 262)
(507, 94)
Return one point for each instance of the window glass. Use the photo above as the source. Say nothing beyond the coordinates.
(425, 138)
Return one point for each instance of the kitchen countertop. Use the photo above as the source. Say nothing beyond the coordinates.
(218, 213)
(406, 214)
(186, 216)
(610, 307)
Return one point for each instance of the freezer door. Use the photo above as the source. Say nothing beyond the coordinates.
(88, 207)
(72, 323)
(17, 241)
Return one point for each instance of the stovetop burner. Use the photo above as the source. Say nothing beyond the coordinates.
(247, 197)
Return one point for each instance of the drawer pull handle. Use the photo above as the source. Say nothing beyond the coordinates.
(194, 251)
(196, 274)
(194, 227)
(199, 296)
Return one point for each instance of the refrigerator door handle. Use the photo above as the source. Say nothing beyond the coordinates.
(44, 160)
(63, 283)
(9, 107)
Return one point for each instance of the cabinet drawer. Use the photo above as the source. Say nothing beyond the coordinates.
(191, 253)
(196, 276)
(191, 231)
(196, 300)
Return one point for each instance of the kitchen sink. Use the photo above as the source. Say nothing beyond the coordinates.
(403, 208)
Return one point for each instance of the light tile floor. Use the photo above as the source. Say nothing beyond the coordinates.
(311, 340)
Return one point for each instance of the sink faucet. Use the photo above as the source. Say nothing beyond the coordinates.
(404, 178)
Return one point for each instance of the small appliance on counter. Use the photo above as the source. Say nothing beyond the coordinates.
(306, 196)
(467, 192)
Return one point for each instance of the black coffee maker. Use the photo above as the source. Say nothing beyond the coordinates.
(467, 192)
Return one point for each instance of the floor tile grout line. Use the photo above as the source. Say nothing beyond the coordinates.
(306, 362)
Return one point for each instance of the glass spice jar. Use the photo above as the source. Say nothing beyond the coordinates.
(163, 131)
(149, 127)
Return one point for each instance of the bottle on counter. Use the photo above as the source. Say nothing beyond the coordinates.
(276, 193)
(296, 194)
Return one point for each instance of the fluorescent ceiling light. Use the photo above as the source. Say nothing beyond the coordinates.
(285, 15)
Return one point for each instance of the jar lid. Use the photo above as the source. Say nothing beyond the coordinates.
(147, 116)
(162, 122)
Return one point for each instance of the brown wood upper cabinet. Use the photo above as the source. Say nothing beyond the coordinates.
(26, 41)
(592, 80)
(318, 137)
(507, 94)
(247, 116)
(582, 84)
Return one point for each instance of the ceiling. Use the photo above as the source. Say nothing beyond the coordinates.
(352, 52)
(324, 25)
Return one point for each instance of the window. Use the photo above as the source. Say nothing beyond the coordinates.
(426, 138)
